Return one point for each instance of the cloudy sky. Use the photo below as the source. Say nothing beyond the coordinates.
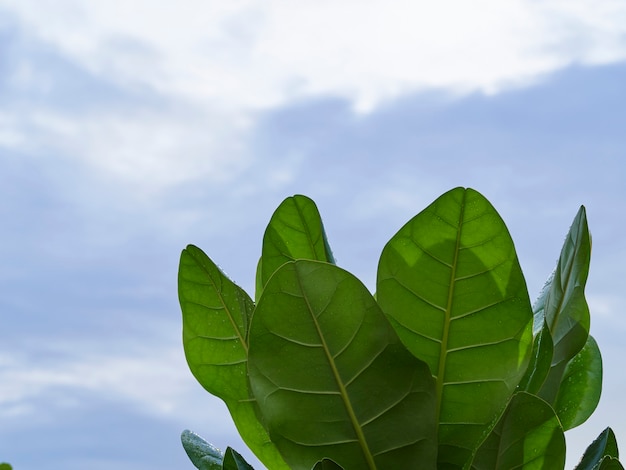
(130, 129)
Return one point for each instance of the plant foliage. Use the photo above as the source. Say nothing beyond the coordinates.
(448, 366)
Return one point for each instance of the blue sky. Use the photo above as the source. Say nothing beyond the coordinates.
(128, 131)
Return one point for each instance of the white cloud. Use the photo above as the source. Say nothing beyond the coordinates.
(223, 61)
(258, 54)
(152, 381)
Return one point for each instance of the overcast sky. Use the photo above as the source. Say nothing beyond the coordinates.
(130, 129)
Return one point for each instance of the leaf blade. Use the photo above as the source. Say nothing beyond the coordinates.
(319, 344)
(605, 445)
(295, 231)
(215, 321)
(581, 386)
(563, 304)
(527, 436)
(451, 284)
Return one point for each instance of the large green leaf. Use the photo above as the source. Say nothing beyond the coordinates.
(581, 386)
(215, 320)
(563, 304)
(331, 377)
(605, 445)
(451, 284)
(527, 436)
(295, 231)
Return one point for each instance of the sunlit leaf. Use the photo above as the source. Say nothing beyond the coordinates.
(332, 379)
(528, 436)
(451, 284)
(215, 319)
(295, 231)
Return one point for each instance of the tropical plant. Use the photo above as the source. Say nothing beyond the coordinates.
(447, 366)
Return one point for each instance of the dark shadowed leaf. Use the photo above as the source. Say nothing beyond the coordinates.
(528, 436)
(604, 446)
(295, 231)
(581, 386)
(327, 464)
(540, 362)
(609, 463)
(451, 284)
(234, 461)
(332, 379)
(215, 320)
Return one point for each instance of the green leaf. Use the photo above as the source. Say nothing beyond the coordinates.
(327, 464)
(581, 386)
(604, 446)
(332, 379)
(528, 436)
(451, 285)
(295, 232)
(540, 362)
(609, 463)
(234, 461)
(203, 455)
(563, 303)
(215, 320)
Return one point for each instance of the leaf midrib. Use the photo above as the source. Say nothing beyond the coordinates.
(441, 369)
(342, 389)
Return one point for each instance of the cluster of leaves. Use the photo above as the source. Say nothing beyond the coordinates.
(447, 366)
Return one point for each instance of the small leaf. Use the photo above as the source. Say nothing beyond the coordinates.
(581, 386)
(234, 461)
(203, 455)
(609, 463)
(605, 445)
(295, 231)
(527, 436)
(332, 379)
(327, 464)
(215, 321)
(451, 285)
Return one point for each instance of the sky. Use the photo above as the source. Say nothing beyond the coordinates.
(131, 129)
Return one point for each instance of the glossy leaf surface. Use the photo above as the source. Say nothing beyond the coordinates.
(563, 303)
(451, 284)
(528, 436)
(295, 231)
(332, 379)
(581, 386)
(215, 321)
(605, 445)
(202, 454)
